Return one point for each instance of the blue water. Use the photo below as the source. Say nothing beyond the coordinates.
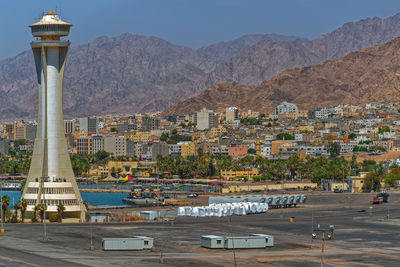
(146, 186)
(96, 199)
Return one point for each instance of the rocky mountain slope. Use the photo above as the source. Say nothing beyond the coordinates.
(368, 75)
(223, 51)
(270, 57)
(128, 73)
(131, 73)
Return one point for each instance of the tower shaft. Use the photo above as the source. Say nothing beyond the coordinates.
(51, 179)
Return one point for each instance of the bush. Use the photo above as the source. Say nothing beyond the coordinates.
(8, 214)
(53, 217)
(13, 219)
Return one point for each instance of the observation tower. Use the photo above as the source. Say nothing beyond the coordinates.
(51, 179)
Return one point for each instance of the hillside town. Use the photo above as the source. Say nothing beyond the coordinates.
(333, 147)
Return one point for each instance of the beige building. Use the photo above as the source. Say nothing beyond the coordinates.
(232, 114)
(115, 145)
(188, 149)
(357, 182)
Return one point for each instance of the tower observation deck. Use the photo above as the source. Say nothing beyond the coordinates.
(51, 179)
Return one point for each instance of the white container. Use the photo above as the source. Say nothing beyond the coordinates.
(149, 215)
(148, 242)
(212, 241)
(269, 239)
(122, 243)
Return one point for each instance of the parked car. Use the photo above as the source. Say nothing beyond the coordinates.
(194, 195)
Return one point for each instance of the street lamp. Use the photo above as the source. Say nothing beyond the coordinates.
(43, 192)
(328, 232)
(1, 198)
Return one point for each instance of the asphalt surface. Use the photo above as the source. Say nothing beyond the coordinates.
(363, 236)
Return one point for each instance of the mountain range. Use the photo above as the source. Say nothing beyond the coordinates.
(369, 75)
(132, 73)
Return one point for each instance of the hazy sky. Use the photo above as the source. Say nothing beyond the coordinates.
(193, 23)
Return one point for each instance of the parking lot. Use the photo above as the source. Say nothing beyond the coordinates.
(362, 236)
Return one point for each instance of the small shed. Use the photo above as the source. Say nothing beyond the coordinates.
(149, 215)
(237, 242)
(148, 242)
(122, 243)
(99, 217)
(269, 239)
(212, 241)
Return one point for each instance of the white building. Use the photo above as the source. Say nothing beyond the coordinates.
(265, 150)
(322, 113)
(206, 119)
(232, 114)
(286, 107)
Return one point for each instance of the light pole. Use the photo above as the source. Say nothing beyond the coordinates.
(44, 208)
(2, 223)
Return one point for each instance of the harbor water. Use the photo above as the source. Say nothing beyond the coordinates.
(95, 199)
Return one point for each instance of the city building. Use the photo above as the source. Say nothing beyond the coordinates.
(238, 151)
(287, 108)
(232, 114)
(88, 125)
(51, 180)
(97, 144)
(115, 145)
(69, 126)
(159, 149)
(4, 147)
(187, 149)
(83, 144)
(150, 123)
(206, 119)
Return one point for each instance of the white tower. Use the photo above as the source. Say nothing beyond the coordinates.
(51, 180)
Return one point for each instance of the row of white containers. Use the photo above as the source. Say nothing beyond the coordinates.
(223, 209)
(271, 200)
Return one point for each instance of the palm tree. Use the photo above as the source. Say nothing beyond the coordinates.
(60, 211)
(5, 202)
(16, 209)
(86, 204)
(22, 186)
(41, 208)
(22, 204)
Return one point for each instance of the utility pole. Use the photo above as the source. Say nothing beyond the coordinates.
(44, 208)
(312, 225)
(158, 195)
(387, 216)
(91, 236)
(322, 249)
(233, 241)
(2, 223)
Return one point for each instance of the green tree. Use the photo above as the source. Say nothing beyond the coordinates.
(293, 163)
(391, 179)
(352, 136)
(353, 162)
(369, 165)
(22, 204)
(164, 137)
(251, 151)
(100, 157)
(60, 212)
(5, 202)
(372, 182)
(285, 136)
(384, 129)
(41, 208)
(333, 149)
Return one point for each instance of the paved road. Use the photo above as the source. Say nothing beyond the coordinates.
(362, 237)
